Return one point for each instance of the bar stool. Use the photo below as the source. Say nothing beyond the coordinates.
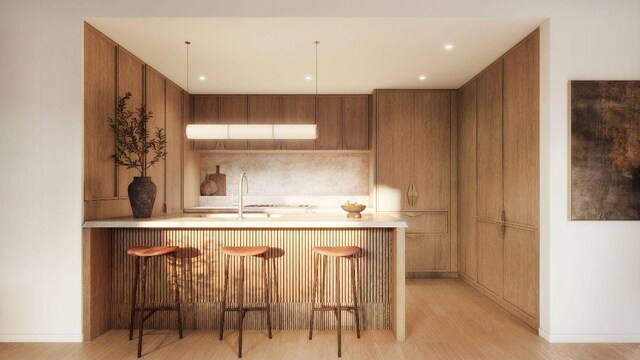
(339, 252)
(142, 254)
(242, 252)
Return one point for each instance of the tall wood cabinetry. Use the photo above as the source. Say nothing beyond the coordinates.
(498, 174)
(111, 71)
(415, 168)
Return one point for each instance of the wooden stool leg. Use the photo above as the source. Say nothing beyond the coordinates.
(133, 297)
(355, 294)
(266, 292)
(176, 283)
(224, 294)
(241, 304)
(313, 294)
(142, 300)
(338, 307)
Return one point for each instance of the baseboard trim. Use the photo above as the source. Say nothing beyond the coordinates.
(431, 275)
(44, 338)
(589, 338)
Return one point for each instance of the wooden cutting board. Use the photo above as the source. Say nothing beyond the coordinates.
(220, 180)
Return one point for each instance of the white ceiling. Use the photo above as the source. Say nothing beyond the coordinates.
(356, 55)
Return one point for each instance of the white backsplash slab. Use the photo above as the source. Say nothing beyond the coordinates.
(319, 179)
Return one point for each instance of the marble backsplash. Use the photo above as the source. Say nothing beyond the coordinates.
(304, 175)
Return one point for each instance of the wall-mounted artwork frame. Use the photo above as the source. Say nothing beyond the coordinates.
(605, 150)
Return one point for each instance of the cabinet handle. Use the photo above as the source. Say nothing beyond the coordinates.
(503, 225)
(408, 195)
(415, 194)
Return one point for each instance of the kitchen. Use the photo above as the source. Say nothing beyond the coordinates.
(322, 187)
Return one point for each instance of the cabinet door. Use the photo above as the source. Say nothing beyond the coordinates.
(155, 103)
(467, 180)
(490, 256)
(298, 109)
(426, 252)
(206, 110)
(355, 122)
(432, 150)
(100, 54)
(329, 120)
(234, 110)
(174, 147)
(264, 109)
(395, 149)
(521, 269)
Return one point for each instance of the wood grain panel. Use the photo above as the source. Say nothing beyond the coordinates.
(329, 114)
(290, 270)
(96, 281)
(154, 85)
(467, 252)
(175, 130)
(206, 110)
(427, 252)
(489, 147)
(394, 149)
(490, 256)
(265, 109)
(298, 109)
(423, 221)
(521, 132)
(234, 109)
(191, 163)
(521, 259)
(130, 79)
(355, 118)
(453, 210)
(431, 139)
(100, 174)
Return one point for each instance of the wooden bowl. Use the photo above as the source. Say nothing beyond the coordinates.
(354, 210)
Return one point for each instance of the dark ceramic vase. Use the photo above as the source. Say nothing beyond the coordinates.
(142, 196)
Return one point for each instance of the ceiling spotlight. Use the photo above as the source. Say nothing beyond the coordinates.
(202, 77)
(308, 77)
(422, 77)
(448, 46)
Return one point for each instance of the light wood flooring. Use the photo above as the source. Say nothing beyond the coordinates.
(446, 320)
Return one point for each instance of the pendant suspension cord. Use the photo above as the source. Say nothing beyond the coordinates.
(187, 43)
(316, 42)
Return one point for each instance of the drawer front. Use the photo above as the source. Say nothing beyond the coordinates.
(427, 253)
(432, 222)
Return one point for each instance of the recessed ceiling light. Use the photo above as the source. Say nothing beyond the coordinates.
(448, 46)
(308, 77)
(422, 77)
(202, 77)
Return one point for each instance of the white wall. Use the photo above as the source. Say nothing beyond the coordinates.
(590, 278)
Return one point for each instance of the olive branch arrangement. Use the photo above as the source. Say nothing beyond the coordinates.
(132, 137)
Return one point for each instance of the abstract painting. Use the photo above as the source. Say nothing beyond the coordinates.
(605, 150)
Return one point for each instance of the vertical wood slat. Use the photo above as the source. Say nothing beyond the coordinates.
(290, 263)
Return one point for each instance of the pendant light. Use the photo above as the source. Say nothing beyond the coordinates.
(253, 131)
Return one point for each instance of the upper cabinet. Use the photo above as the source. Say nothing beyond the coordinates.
(342, 120)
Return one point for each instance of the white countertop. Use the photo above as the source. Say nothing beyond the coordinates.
(251, 221)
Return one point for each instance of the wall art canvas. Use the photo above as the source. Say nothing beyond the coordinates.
(605, 150)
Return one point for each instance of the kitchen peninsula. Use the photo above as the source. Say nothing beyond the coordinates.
(108, 271)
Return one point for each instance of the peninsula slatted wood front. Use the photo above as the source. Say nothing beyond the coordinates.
(290, 267)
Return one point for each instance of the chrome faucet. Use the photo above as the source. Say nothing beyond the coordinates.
(243, 176)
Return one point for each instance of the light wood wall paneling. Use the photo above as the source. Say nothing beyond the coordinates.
(431, 150)
(468, 250)
(155, 100)
(521, 264)
(329, 120)
(96, 282)
(394, 149)
(521, 132)
(175, 147)
(131, 78)
(356, 122)
(298, 109)
(234, 109)
(206, 110)
(191, 163)
(100, 63)
(290, 270)
(265, 109)
(490, 256)
(453, 158)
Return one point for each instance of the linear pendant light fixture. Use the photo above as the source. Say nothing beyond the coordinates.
(252, 131)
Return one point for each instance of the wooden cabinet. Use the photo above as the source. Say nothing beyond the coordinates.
(206, 111)
(298, 109)
(265, 109)
(355, 118)
(220, 109)
(504, 243)
(155, 101)
(414, 174)
(329, 122)
(175, 134)
(343, 122)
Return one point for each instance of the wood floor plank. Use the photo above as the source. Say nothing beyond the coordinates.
(446, 319)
